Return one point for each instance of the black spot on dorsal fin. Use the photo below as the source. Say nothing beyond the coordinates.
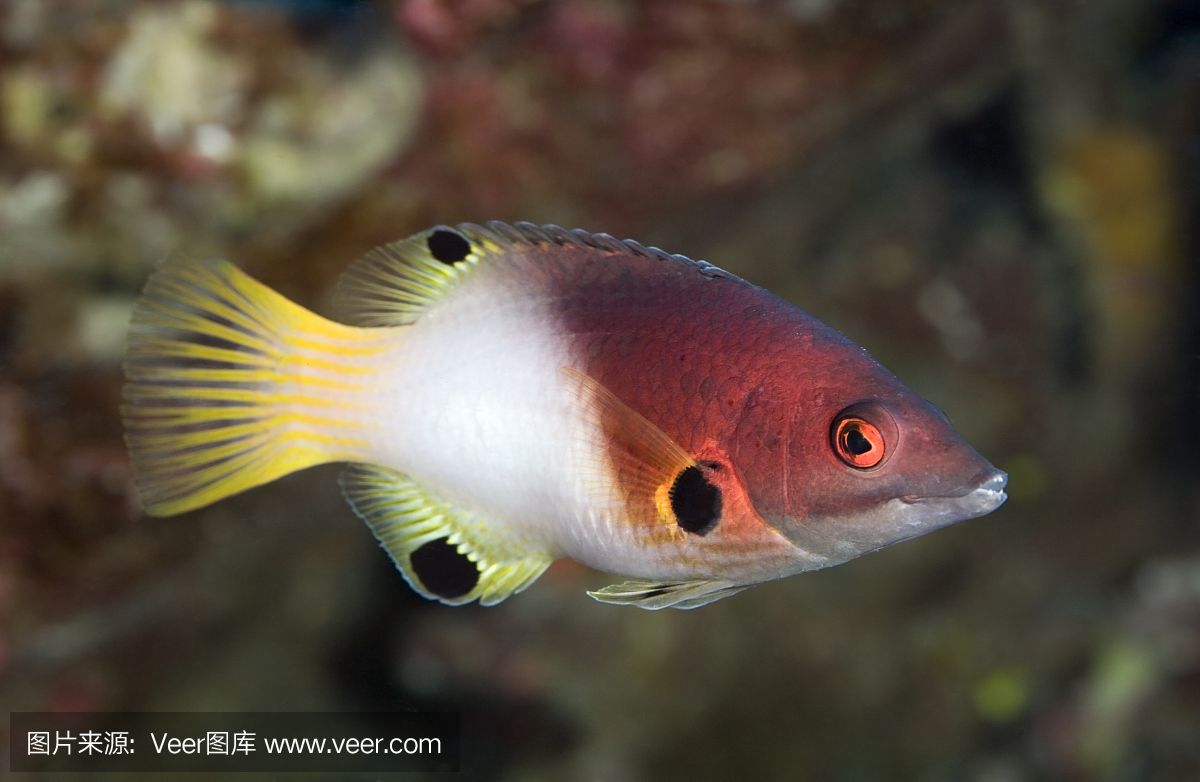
(443, 570)
(448, 246)
(393, 284)
(695, 502)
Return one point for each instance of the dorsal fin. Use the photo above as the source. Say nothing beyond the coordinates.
(444, 553)
(391, 285)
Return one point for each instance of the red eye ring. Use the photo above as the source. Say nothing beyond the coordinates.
(858, 443)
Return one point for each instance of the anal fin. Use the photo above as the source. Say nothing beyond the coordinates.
(444, 553)
(653, 595)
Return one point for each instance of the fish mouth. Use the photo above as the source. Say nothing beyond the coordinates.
(895, 520)
(983, 498)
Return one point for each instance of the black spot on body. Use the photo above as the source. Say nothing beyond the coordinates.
(443, 570)
(447, 246)
(695, 502)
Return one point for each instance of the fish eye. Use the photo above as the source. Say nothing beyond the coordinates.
(858, 442)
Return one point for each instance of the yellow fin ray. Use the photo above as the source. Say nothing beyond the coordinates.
(230, 385)
(444, 553)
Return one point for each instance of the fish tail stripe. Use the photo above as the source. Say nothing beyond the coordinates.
(197, 416)
(176, 323)
(196, 292)
(161, 350)
(230, 385)
(334, 347)
(235, 373)
(305, 362)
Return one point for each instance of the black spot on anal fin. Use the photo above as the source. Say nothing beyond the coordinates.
(448, 246)
(443, 570)
(695, 502)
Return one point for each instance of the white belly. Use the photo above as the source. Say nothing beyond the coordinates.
(475, 407)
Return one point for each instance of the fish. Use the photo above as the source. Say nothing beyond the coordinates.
(505, 395)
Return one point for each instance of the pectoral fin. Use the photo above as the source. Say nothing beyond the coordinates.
(631, 466)
(653, 595)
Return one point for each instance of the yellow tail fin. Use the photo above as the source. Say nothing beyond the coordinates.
(230, 385)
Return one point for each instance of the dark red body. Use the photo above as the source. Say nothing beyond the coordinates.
(733, 373)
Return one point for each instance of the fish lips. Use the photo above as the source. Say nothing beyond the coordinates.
(936, 511)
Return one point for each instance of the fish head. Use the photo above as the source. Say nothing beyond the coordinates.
(862, 463)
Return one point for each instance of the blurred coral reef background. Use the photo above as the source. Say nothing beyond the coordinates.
(998, 199)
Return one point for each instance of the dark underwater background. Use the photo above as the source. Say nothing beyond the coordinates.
(999, 200)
